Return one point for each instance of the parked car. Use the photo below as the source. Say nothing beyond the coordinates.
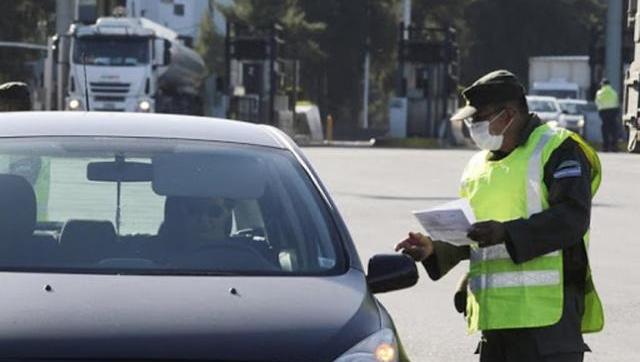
(547, 108)
(167, 237)
(573, 114)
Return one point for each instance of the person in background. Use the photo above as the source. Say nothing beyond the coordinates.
(608, 108)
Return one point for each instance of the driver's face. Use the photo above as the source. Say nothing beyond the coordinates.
(206, 218)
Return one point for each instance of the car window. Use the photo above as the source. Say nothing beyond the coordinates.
(541, 106)
(570, 108)
(164, 206)
(589, 107)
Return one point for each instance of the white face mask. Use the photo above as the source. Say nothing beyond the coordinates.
(480, 134)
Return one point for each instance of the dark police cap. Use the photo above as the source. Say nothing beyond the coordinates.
(495, 87)
(14, 91)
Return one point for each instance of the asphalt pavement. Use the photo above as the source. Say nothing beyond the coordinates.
(376, 190)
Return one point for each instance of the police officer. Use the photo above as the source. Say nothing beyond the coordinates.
(608, 108)
(530, 290)
(15, 97)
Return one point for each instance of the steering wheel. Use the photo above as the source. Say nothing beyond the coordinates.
(225, 253)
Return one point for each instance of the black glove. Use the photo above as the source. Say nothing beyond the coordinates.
(487, 233)
(460, 297)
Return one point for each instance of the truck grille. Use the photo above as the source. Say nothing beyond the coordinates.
(108, 109)
(109, 99)
(109, 87)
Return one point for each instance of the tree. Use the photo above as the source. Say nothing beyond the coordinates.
(507, 32)
(331, 38)
(28, 21)
(338, 81)
(496, 34)
(300, 33)
(210, 45)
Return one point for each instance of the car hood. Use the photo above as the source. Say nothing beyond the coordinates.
(183, 317)
(571, 117)
(548, 116)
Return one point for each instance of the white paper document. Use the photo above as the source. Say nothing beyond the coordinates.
(448, 222)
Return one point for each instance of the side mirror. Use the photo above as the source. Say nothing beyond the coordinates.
(388, 272)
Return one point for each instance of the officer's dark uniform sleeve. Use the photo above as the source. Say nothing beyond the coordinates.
(445, 256)
(567, 176)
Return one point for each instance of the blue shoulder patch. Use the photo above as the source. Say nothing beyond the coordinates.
(570, 168)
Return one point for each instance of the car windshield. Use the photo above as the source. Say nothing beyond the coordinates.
(111, 50)
(537, 105)
(126, 205)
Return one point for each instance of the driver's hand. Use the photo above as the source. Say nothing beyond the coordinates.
(417, 246)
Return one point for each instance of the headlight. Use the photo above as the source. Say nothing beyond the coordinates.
(144, 105)
(74, 104)
(581, 122)
(378, 347)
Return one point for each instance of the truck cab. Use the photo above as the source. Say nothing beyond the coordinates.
(124, 65)
(112, 67)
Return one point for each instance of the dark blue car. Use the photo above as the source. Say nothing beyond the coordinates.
(163, 237)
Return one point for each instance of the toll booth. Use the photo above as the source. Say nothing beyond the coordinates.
(427, 78)
(259, 76)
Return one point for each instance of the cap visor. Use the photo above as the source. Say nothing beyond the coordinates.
(464, 113)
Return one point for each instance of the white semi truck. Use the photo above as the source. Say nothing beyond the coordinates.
(123, 64)
(560, 76)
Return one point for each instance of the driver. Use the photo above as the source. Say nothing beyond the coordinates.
(207, 219)
(193, 222)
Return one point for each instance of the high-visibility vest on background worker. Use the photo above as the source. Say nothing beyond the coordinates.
(503, 294)
(607, 98)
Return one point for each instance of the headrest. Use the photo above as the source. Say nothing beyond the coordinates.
(87, 240)
(17, 207)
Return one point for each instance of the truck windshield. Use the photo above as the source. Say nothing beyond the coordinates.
(113, 51)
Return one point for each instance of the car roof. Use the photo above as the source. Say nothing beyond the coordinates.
(572, 101)
(542, 98)
(144, 125)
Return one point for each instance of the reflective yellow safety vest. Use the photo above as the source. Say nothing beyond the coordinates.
(508, 295)
(606, 98)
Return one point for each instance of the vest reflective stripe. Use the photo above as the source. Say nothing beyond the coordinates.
(496, 252)
(515, 279)
(534, 187)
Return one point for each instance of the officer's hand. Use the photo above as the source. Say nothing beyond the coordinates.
(417, 246)
(487, 233)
